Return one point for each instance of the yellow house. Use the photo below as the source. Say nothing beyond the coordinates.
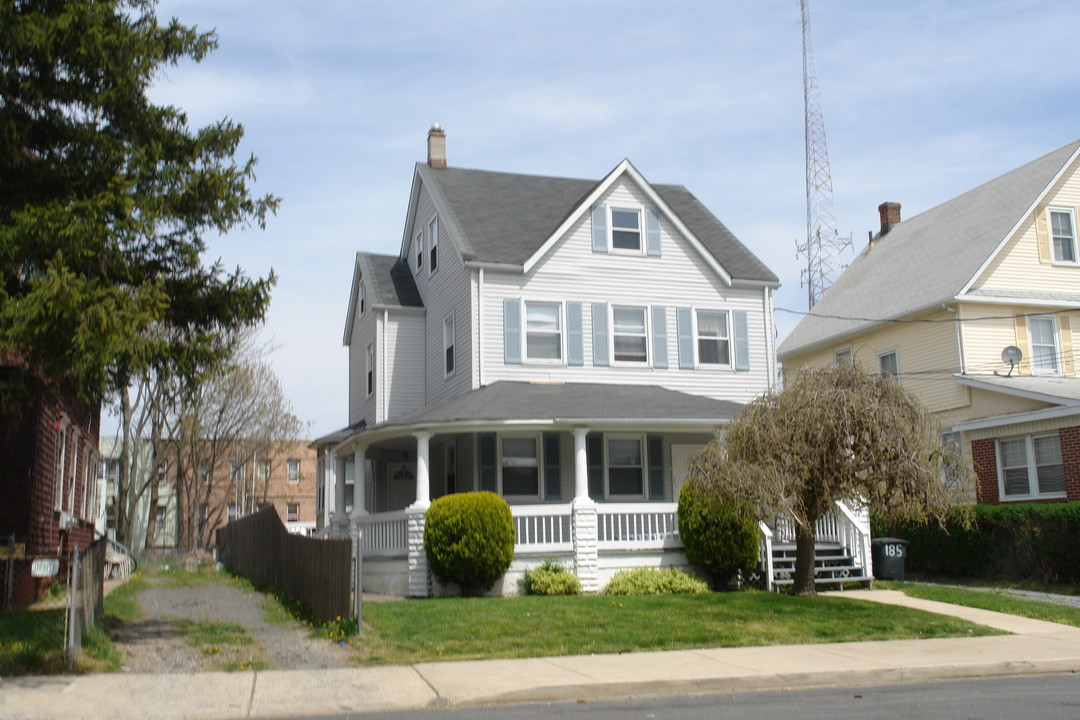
(971, 305)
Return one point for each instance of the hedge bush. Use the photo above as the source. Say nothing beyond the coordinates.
(469, 539)
(1021, 541)
(550, 578)
(720, 534)
(652, 581)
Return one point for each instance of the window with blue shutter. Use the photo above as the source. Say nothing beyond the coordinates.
(594, 454)
(659, 337)
(656, 468)
(512, 331)
(599, 229)
(489, 474)
(600, 334)
(685, 328)
(575, 341)
(652, 232)
(742, 339)
(552, 467)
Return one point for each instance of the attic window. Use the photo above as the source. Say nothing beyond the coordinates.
(1063, 234)
(418, 245)
(625, 229)
(363, 298)
(434, 234)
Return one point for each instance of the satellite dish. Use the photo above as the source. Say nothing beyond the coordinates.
(1012, 355)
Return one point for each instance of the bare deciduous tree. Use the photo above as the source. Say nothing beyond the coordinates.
(834, 434)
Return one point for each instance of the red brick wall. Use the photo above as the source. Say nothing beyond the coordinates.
(984, 457)
(1070, 458)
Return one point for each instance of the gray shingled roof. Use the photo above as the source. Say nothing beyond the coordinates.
(927, 259)
(504, 218)
(389, 280)
(592, 402)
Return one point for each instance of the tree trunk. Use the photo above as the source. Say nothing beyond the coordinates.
(805, 540)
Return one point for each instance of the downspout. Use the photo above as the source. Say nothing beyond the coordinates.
(380, 411)
(959, 337)
(479, 332)
(770, 339)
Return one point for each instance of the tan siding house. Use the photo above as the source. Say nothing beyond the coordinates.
(973, 304)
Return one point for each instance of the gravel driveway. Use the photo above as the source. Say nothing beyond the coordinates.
(155, 645)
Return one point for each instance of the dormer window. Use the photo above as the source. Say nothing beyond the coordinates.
(625, 229)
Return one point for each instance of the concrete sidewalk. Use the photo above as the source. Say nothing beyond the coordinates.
(1034, 647)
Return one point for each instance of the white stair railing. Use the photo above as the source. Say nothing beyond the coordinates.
(765, 543)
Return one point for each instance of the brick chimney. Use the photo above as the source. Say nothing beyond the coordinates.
(436, 147)
(890, 215)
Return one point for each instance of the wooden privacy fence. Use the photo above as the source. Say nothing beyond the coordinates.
(316, 572)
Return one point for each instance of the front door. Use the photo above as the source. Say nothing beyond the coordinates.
(680, 465)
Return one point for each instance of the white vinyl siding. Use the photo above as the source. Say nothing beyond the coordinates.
(571, 273)
(400, 385)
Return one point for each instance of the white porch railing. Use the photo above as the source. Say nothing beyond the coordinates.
(638, 526)
(855, 530)
(542, 528)
(829, 529)
(384, 534)
(765, 555)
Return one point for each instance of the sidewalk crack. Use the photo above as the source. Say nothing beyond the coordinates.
(251, 697)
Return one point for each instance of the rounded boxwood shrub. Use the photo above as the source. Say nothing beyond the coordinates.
(653, 581)
(719, 533)
(469, 540)
(550, 578)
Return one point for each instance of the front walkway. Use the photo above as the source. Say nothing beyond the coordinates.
(1035, 647)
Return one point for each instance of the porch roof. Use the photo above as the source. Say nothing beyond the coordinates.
(523, 403)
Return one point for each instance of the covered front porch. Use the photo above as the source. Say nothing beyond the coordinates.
(591, 472)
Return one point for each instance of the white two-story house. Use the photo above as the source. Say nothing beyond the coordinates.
(567, 344)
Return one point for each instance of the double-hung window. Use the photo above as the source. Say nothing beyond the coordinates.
(625, 229)
(712, 338)
(433, 232)
(543, 331)
(292, 512)
(520, 465)
(889, 364)
(448, 345)
(1030, 467)
(630, 334)
(1063, 235)
(369, 359)
(842, 356)
(1044, 349)
(293, 471)
(626, 466)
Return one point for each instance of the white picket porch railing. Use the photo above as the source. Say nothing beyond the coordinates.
(384, 534)
(638, 526)
(542, 528)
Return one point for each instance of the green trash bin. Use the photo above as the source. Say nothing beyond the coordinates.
(888, 555)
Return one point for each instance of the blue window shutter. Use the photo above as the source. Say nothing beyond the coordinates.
(652, 232)
(512, 331)
(552, 467)
(575, 343)
(599, 229)
(489, 478)
(594, 460)
(600, 334)
(684, 320)
(659, 336)
(742, 340)
(656, 468)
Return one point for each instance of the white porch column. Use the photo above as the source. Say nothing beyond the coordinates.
(583, 521)
(341, 520)
(423, 479)
(360, 481)
(415, 516)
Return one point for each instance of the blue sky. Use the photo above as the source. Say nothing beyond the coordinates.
(922, 100)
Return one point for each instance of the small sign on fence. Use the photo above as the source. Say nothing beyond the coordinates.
(45, 567)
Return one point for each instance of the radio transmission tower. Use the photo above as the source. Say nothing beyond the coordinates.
(823, 245)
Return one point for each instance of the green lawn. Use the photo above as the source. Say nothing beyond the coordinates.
(460, 629)
(990, 599)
